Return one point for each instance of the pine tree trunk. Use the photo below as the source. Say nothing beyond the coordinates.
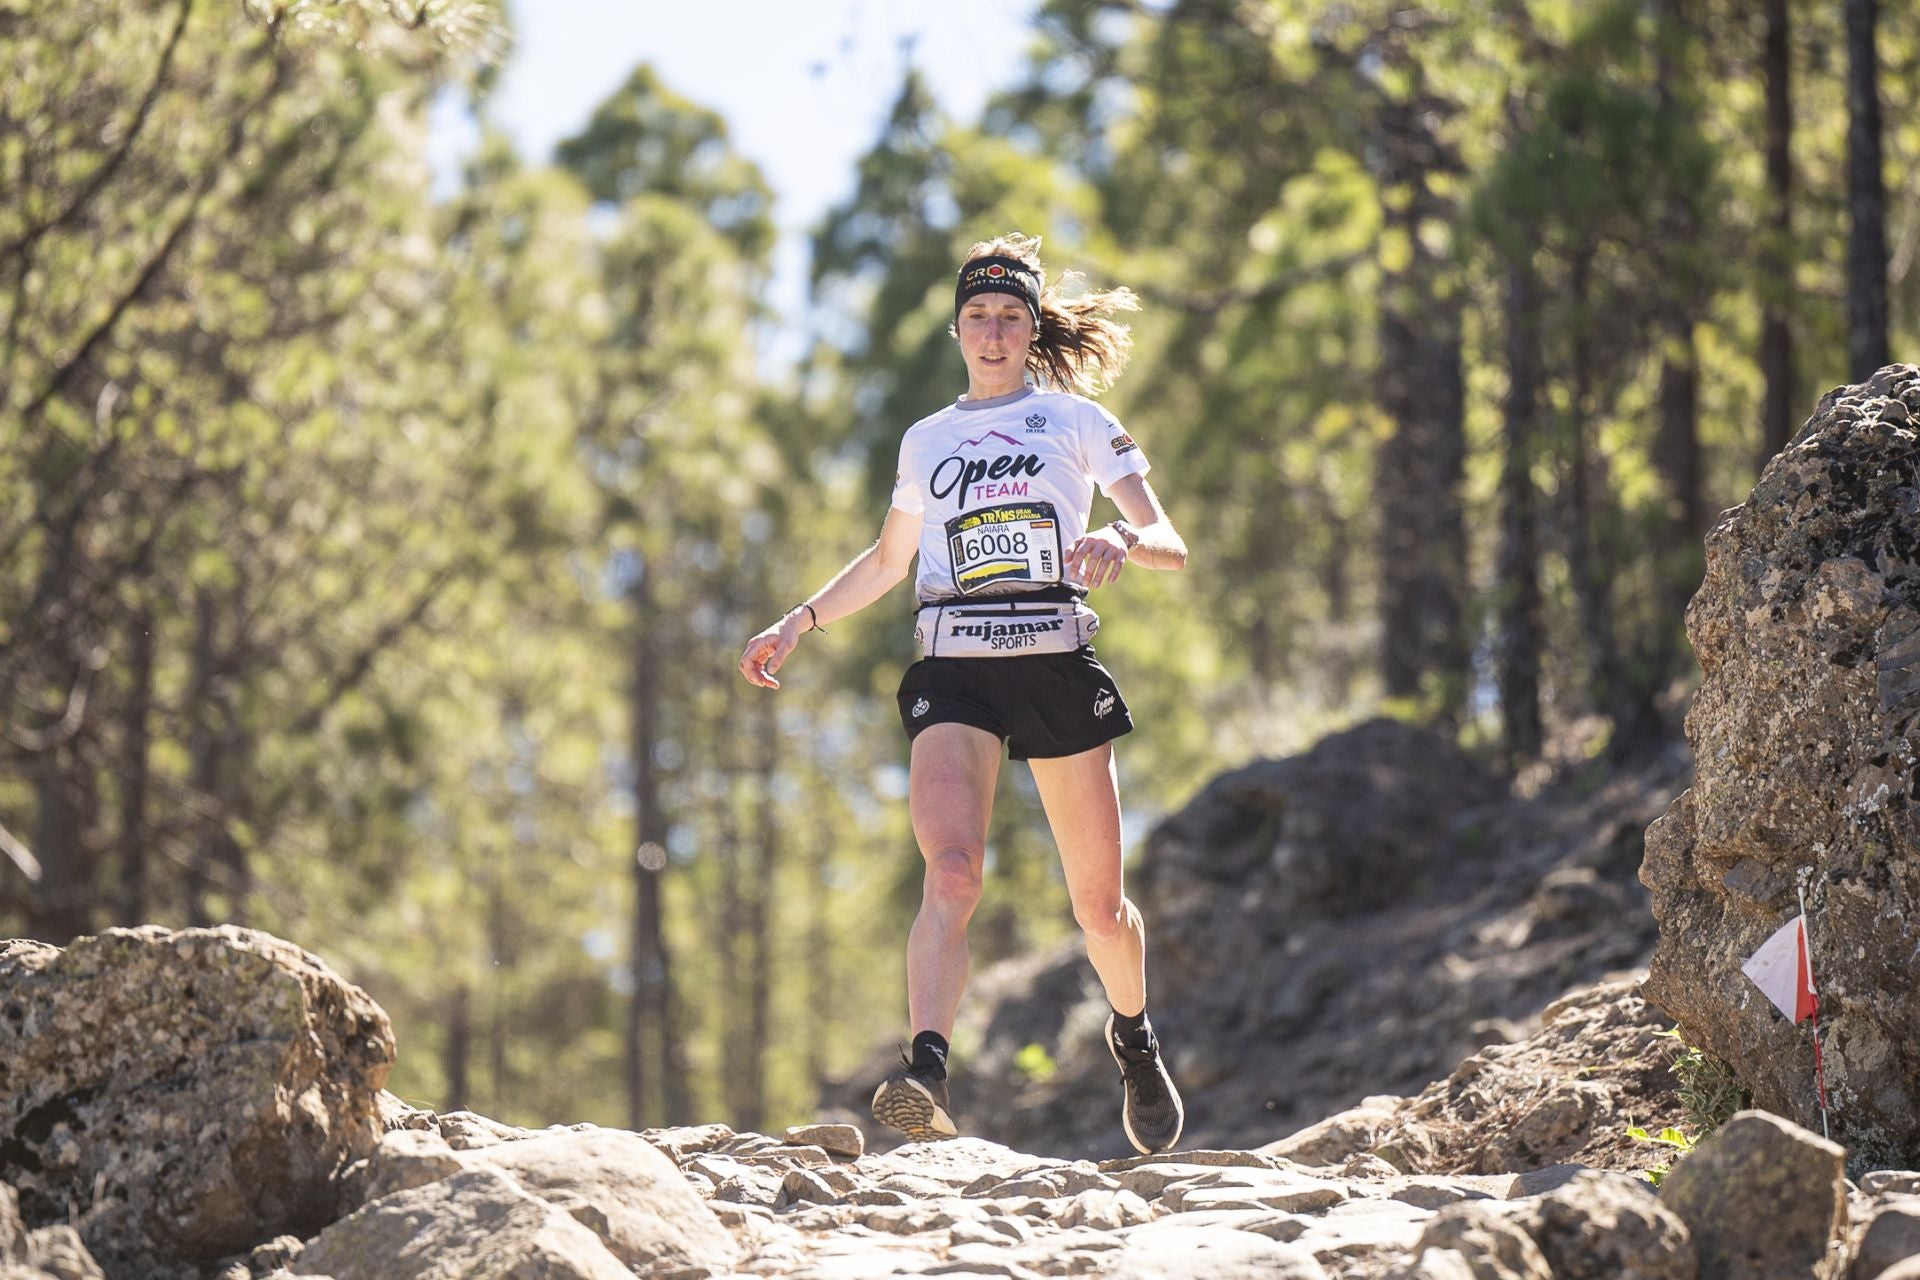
(759, 922)
(61, 906)
(819, 967)
(134, 768)
(1592, 589)
(499, 1014)
(1519, 577)
(203, 749)
(729, 922)
(656, 1083)
(1866, 198)
(646, 955)
(458, 1053)
(1776, 334)
(1678, 556)
(1419, 470)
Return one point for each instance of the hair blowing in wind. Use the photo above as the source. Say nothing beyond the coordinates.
(1080, 347)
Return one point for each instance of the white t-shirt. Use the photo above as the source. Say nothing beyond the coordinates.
(1004, 486)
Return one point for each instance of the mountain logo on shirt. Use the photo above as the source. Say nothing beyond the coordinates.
(981, 478)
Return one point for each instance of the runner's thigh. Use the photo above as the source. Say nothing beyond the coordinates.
(950, 787)
(1082, 800)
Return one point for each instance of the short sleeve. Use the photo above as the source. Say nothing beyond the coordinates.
(1111, 453)
(906, 485)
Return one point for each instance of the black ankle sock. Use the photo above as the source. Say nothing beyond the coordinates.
(1132, 1030)
(930, 1052)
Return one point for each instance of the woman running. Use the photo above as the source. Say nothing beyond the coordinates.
(994, 493)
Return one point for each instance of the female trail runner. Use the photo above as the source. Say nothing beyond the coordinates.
(994, 493)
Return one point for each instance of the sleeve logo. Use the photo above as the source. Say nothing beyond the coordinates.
(1123, 443)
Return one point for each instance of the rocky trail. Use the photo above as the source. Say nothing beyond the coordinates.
(284, 1160)
(1407, 1006)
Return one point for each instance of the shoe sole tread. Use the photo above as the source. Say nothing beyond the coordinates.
(903, 1103)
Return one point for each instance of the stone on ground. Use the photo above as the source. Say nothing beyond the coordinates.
(1604, 1226)
(1761, 1197)
(1487, 1241)
(1892, 1234)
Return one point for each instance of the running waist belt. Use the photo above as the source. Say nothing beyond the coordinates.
(1002, 629)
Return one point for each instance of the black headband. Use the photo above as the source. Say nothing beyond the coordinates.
(995, 274)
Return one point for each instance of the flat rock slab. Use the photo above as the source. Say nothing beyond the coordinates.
(476, 1225)
(1280, 1191)
(953, 1164)
(1056, 1180)
(1361, 1228)
(1435, 1193)
(1214, 1159)
(1151, 1178)
(611, 1181)
(1170, 1247)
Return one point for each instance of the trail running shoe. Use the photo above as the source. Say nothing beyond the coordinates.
(915, 1103)
(1152, 1113)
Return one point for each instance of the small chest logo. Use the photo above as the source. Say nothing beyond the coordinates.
(921, 708)
(1102, 704)
(1036, 422)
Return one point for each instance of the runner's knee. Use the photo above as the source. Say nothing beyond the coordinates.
(1103, 920)
(953, 879)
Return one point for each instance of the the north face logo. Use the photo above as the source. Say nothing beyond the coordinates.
(921, 708)
(1102, 703)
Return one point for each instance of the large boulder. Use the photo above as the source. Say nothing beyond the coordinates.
(181, 1097)
(1806, 731)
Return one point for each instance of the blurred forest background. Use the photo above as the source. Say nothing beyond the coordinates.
(374, 563)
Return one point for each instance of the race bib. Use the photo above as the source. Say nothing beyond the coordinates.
(1015, 542)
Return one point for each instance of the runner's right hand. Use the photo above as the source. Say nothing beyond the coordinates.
(766, 651)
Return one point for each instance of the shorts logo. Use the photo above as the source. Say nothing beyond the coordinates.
(921, 708)
(1036, 422)
(1102, 703)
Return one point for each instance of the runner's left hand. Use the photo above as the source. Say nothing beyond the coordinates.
(1096, 559)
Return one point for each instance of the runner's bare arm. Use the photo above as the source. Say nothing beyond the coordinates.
(1097, 559)
(867, 577)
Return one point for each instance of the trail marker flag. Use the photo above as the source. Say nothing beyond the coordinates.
(1783, 971)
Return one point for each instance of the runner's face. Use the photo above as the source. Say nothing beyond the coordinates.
(995, 331)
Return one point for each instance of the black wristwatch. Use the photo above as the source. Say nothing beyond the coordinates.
(1127, 535)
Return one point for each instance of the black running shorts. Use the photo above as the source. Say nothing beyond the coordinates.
(1042, 705)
